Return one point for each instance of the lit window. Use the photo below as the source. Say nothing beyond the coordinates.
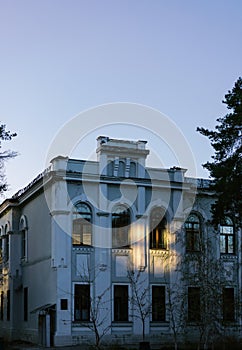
(193, 232)
(120, 227)
(226, 236)
(82, 302)
(158, 226)
(82, 225)
(158, 303)
(121, 303)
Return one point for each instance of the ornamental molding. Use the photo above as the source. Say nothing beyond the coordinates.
(83, 249)
(122, 251)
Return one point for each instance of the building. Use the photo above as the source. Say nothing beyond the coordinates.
(116, 246)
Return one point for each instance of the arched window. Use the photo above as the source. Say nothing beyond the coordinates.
(120, 227)
(82, 225)
(132, 170)
(158, 229)
(227, 239)
(193, 233)
(23, 233)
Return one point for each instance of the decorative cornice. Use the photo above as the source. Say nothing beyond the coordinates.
(83, 249)
(121, 251)
(141, 216)
(159, 252)
(228, 257)
(103, 213)
(59, 212)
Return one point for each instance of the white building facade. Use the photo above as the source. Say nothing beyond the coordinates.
(116, 246)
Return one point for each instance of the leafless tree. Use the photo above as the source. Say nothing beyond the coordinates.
(140, 299)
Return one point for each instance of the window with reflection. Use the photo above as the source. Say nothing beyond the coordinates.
(82, 302)
(193, 233)
(120, 227)
(158, 229)
(82, 225)
(227, 239)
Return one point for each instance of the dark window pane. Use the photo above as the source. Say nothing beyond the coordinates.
(8, 305)
(121, 303)
(64, 304)
(158, 303)
(2, 301)
(228, 304)
(194, 313)
(192, 227)
(26, 304)
(82, 302)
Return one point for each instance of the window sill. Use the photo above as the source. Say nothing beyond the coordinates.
(228, 256)
(193, 323)
(158, 323)
(122, 323)
(193, 251)
(81, 323)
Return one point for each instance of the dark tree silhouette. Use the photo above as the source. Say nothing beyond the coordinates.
(226, 167)
(5, 155)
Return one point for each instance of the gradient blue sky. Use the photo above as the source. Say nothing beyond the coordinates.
(60, 57)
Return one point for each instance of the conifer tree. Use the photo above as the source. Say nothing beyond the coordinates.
(226, 167)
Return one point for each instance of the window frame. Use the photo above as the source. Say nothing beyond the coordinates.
(2, 306)
(193, 233)
(158, 229)
(87, 308)
(121, 221)
(228, 304)
(8, 305)
(224, 236)
(6, 246)
(85, 218)
(159, 302)
(194, 304)
(25, 303)
(23, 229)
(123, 304)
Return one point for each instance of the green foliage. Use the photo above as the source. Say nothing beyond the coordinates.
(226, 167)
(5, 155)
